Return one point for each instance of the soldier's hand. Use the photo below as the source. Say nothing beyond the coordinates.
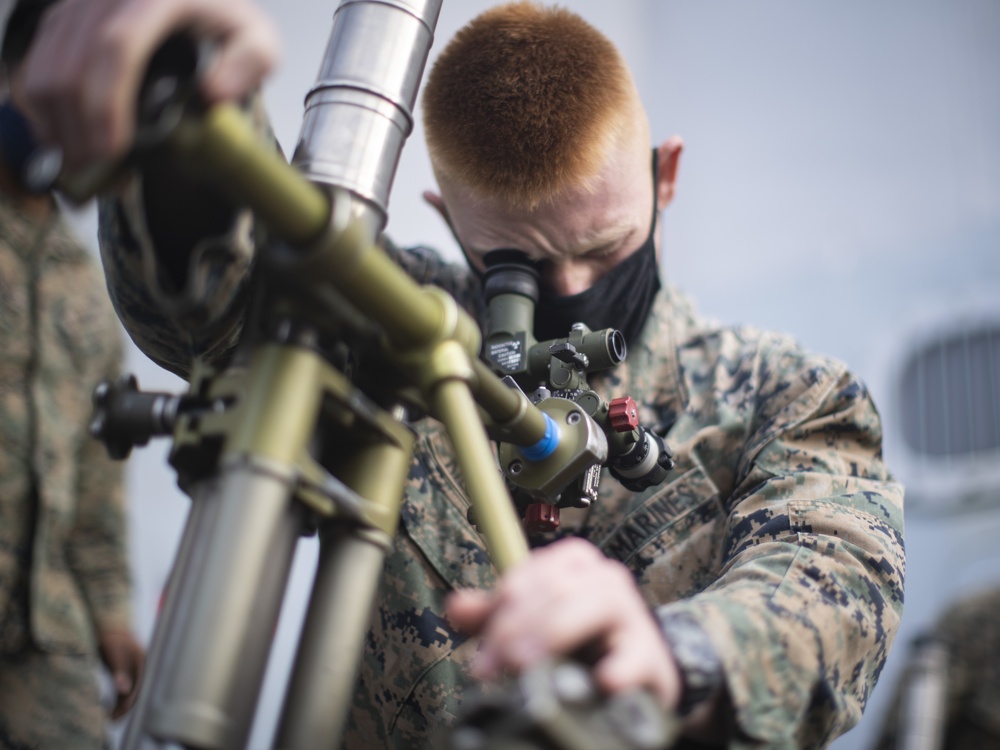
(83, 71)
(124, 657)
(568, 598)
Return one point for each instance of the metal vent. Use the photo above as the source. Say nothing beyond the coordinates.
(950, 395)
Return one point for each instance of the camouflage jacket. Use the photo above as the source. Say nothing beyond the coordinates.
(779, 531)
(63, 566)
(970, 632)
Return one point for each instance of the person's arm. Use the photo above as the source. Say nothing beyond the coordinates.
(87, 60)
(809, 593)
(96, 547)
(568, 597)
(97, 544)
(811, 588)
(177, 256)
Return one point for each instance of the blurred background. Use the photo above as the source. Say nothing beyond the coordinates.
(840, 182)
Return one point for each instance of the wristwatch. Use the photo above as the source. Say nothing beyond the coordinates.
(700, 666)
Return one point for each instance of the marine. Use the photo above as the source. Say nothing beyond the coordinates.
(757, 592)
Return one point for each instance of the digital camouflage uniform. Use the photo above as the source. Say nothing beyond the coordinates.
(779, 531)
(970, 631)
(63, 569)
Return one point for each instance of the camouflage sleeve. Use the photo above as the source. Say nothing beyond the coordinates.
(96, 547)
(811, 588)
(969, 630)
(173, 326)
(175, 316)
(203, 318)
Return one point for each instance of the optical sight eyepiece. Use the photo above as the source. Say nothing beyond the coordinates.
(510, 272)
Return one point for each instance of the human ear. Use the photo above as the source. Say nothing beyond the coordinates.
(435, 201)
(668, 156)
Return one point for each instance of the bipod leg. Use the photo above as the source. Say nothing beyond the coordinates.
(225, 613)
(134, 737)
(454, 406)
(350, 568)
(220, 618)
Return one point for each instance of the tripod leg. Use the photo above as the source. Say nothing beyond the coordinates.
(454, 406)
(350, 567)
(923, 710)
(225, 611)
(195, 525)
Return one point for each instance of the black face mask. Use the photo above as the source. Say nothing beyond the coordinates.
(621, 299)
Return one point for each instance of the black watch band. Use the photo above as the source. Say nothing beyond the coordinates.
(701, 669)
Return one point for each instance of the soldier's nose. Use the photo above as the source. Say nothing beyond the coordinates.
(567, 277)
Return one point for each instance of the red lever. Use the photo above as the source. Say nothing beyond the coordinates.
(541, 517)
(624, 414)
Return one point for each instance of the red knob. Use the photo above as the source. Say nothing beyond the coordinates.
(624, 414)
(541, 517)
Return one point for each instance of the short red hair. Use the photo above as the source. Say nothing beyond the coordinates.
(525, 102)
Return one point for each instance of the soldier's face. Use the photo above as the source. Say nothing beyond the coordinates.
(582, 234)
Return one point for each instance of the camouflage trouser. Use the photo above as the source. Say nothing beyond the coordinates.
(49, 702)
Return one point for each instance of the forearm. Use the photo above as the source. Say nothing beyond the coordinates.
(799, 650)
(98, 556)
(96, 548)
(810, 591)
